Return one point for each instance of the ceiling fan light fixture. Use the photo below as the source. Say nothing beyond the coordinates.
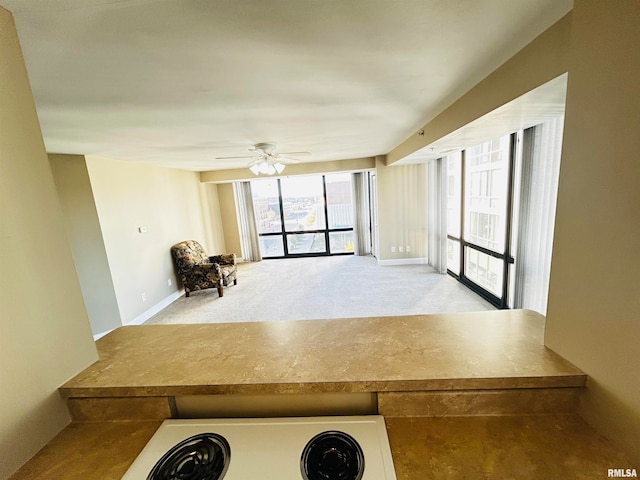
(266, 161)
(267, 167)
(263, 167)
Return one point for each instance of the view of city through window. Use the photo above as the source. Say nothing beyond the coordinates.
(477, 198)
(304, 215)
(485, 220)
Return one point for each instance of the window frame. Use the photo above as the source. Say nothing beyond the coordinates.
(500, 301)
(284, 233)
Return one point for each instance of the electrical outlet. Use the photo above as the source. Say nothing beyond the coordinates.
(400, 249)
(393, 249)
(408, 249)
(144, 297)
(169, 282)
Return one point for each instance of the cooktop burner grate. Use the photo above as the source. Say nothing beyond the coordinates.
(200, 457)
(332, 455)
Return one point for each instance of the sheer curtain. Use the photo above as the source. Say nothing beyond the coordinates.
(361, 222)
(541, 152)
(247, 222)
(437, 214)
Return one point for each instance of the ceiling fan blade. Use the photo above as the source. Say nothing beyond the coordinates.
(229, 158)
(299, 154)
(289, 159)
(266, 152)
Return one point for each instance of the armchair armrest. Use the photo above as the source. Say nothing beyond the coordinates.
(207, 269)
(224, 259)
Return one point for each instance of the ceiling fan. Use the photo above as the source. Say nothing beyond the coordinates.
(265, 160)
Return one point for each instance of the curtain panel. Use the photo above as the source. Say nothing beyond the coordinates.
(437, 214)
(247, 222)
(362, 221)
(541, 153)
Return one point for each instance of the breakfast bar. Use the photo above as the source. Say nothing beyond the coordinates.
(474, 395)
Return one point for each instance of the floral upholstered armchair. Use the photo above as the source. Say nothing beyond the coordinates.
(199, 271)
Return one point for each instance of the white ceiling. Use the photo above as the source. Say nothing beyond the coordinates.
(178, 83)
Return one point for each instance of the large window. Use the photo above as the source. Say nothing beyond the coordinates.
(478, 216)
(304, 215)
(501, 198)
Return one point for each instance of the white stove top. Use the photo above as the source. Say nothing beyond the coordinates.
(271, 448)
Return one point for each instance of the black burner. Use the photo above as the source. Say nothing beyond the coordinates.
(332, 455)
(201, 457)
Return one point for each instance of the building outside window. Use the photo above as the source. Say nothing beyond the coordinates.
(304, 215)
(500, 206)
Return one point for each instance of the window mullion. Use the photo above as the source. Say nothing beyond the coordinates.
(462, 209)
(282, 229)
(509, 218)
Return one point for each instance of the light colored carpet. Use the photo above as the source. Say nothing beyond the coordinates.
(324, 287)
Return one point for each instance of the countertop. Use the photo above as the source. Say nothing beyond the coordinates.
(483, 350)
(497, 403)
(540, 447)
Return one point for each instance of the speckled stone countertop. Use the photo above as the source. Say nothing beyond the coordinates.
(406, 360)
(497, 349)
(497, 447)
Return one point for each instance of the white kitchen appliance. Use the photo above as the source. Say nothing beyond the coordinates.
(303, 448)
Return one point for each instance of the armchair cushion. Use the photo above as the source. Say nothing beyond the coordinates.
(199, 271)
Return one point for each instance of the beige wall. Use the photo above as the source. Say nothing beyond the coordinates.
(85, 237)
(594, 304)
(168, 204)
(402, 211)
(229, 219)
(45, 336)
(215, 236)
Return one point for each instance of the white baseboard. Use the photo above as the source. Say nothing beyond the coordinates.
(98, 336)
(147, 314)
(403, 261)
